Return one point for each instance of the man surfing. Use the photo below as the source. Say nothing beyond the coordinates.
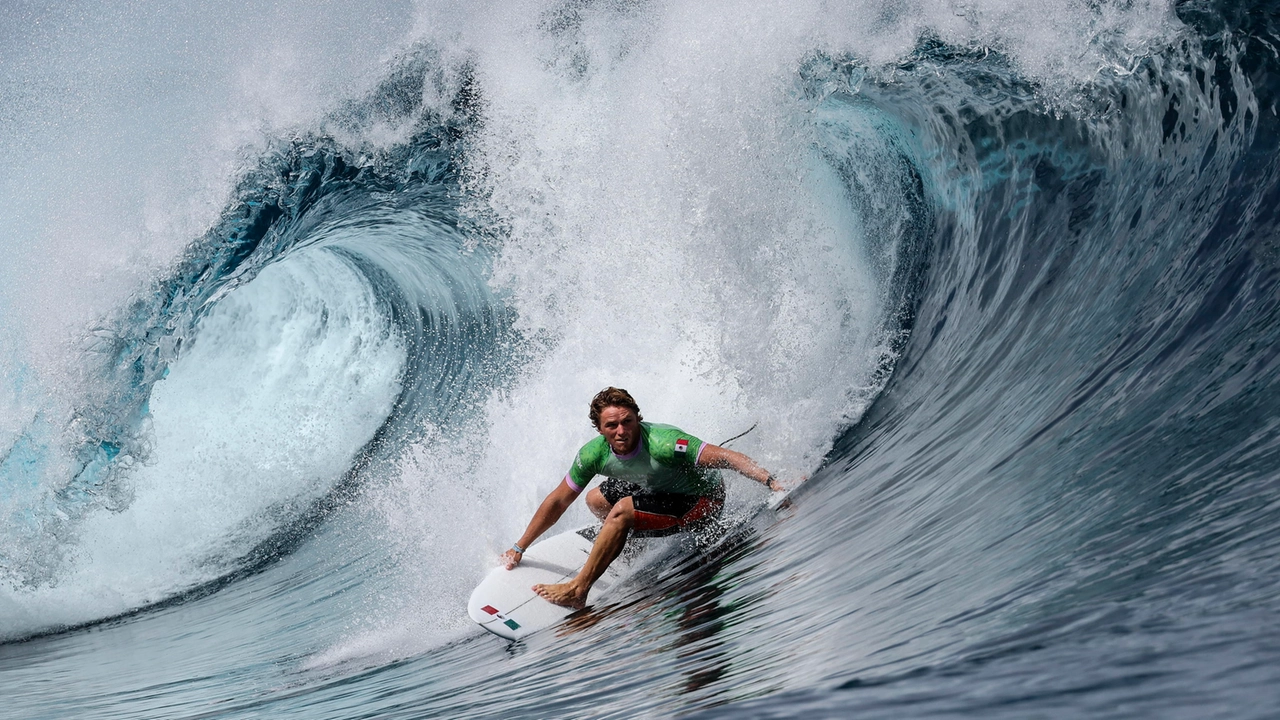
(657, 482)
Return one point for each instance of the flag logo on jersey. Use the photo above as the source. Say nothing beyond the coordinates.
(682, 445)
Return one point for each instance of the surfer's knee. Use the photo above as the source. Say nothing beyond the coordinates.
(623, 511)
(597, 503)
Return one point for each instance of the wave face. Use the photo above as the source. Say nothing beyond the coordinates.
(290, 356)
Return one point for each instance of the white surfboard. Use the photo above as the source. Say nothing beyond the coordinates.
(505, 603)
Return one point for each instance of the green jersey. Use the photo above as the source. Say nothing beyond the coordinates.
(665, 460)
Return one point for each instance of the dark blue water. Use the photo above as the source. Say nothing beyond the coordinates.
(999, 281)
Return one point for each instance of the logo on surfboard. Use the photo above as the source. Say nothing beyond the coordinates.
(505, 620)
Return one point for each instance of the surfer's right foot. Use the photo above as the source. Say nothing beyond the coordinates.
(563, 594)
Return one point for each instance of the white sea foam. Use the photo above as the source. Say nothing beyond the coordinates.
(672, 228)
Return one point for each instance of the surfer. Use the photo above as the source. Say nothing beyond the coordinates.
(656, 482)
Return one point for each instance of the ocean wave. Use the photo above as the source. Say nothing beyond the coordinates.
(1000, 279)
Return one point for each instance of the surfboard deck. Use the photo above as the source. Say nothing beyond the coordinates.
(505, 604)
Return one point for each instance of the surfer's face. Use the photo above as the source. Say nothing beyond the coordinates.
(621, 428)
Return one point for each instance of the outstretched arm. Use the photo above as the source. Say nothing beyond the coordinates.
(714, 456)
(556, 502)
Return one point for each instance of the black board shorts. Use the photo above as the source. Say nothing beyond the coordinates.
(662, 513)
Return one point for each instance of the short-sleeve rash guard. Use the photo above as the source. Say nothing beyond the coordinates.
(664, 460)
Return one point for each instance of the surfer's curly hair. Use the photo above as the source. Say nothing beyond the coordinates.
(612, 397)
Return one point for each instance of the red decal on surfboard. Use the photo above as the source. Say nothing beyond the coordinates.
(490, 609)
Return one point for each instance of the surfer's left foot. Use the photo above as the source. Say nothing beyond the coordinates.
(563, 594)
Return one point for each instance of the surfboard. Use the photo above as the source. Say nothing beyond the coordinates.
(505, 604)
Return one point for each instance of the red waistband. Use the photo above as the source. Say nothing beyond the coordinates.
(705, 507)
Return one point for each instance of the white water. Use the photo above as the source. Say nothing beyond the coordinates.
(672, 229)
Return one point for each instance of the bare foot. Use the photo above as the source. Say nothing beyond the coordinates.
(564, 594)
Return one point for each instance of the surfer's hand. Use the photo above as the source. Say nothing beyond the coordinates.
(511, 558)
(783, 485)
